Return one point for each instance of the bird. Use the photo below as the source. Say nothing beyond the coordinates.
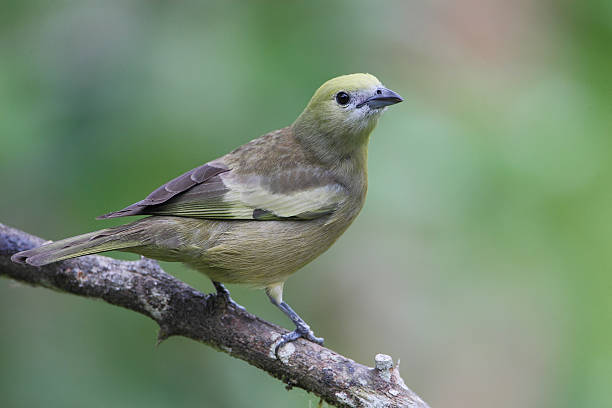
(261, 212)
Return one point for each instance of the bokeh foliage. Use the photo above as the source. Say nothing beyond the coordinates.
(482, 258)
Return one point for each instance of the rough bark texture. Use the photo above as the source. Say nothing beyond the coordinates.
(142, 286)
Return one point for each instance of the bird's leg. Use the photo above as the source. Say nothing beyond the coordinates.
(302, 329)
(225, 294)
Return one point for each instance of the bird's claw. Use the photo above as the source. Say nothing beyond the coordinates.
(230, 302)
(225, 294)
(299, 332)
(235, 305)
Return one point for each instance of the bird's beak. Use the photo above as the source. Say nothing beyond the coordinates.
(383, 97)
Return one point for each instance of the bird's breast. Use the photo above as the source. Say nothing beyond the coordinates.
(261, 253)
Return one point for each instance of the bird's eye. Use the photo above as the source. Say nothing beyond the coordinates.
(342, 98)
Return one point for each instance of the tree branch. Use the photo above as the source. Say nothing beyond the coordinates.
(142, 286)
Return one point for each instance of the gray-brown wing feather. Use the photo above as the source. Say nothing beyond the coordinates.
(253, 197)
(271, 178)
(247, 197)
(195, 177)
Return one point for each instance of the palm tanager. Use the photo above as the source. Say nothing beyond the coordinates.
(262, 211)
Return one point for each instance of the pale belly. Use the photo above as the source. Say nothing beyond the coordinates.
(256, 253)
(265, 253)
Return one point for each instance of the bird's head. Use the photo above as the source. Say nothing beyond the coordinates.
(343, 112)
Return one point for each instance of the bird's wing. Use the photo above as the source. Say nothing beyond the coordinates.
(213, 191)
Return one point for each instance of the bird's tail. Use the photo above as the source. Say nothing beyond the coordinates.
(121, 237)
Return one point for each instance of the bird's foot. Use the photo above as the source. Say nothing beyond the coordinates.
(225, 294)
(301, 331)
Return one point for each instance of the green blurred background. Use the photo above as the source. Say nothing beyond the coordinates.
(483, 255)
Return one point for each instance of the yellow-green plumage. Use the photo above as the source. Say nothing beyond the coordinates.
(264, 210)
